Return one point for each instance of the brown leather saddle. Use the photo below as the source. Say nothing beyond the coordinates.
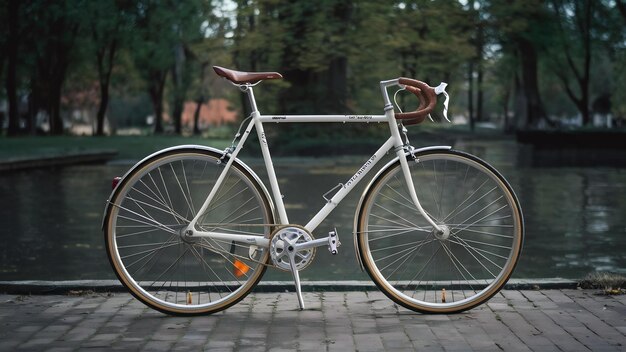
(240, 77)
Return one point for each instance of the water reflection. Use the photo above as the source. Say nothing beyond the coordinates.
(575, 217)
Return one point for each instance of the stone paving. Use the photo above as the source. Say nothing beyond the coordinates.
(547, 320)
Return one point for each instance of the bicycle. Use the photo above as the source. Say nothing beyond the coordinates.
(191, 229)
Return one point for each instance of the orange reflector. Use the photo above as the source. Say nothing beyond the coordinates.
(240, 268)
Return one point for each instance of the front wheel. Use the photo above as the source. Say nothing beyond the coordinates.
(448, 272)
(145, 232)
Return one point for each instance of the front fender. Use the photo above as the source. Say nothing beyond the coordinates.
(184, 147)
(369, 185)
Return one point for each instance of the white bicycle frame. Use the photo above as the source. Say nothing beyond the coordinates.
(394, 142)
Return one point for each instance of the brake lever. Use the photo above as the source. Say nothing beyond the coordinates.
(402, 87)
(441, 89)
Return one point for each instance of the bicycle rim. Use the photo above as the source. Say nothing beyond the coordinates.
(165, 269)
(441, 273)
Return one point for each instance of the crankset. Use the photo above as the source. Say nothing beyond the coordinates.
(292, 248)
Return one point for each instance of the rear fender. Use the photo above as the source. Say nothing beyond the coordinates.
(189, 147)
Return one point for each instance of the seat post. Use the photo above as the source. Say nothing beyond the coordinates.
(246, 88)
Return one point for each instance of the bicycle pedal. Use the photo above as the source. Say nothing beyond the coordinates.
(333, 242)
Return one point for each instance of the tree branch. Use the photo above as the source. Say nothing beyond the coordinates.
(568, 56)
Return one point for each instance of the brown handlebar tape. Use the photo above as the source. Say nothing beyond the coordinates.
(426, 96)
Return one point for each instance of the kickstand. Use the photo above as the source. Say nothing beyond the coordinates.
(296, 278)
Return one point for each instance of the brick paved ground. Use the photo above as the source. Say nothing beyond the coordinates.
(549, 320)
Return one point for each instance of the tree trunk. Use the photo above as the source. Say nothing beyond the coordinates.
(338, 85)
(105, 59)
(505, 110)
(156, 85)
(470, 94)
(102, 109)
(583, 18)
(535, 112)
(621, 6)
(196, 115)
(520, 105)
(480, 72)
(479, 93)
(179, 87)
(586, 78)
(200, 99)
(11, 79)
(54, 109)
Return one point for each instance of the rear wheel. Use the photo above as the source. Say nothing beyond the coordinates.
(452, 271)
(147, 247)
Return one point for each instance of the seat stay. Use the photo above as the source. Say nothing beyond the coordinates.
(222, 176)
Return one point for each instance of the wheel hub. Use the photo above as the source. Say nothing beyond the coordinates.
(187, 236)
(283, 242)
(442, 235)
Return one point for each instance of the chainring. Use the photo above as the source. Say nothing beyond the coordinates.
(287, 236)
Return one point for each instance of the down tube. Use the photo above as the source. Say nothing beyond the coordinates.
(347, 187)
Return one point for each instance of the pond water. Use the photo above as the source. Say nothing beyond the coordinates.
(575, 216)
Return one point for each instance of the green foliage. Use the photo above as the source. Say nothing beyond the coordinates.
(332, 53)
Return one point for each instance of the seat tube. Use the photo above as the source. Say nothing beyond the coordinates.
(267, 158)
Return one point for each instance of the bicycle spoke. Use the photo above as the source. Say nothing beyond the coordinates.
(485, 233)
(468, 198)
(484, 208)
(450, 270)
(163, 267)
(465, 246)
(408, 230)
(477, 249)
(404, 255)
(138, 202)
(397, 215)
(154, 223)
(214, 273)
(193, 209)
(137, 233)
(416, 245)
(160, 202)
(391, 221)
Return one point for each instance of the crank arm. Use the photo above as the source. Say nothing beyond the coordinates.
(332, 241)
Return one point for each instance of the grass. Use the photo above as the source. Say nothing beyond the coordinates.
(610, 283)
(128, 147)
(137, 147)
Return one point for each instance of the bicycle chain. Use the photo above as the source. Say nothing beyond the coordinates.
(274, 232)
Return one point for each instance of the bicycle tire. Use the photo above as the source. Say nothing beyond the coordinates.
(437, 273)
(161, 267)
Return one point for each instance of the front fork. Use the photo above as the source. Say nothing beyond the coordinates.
(400, 153)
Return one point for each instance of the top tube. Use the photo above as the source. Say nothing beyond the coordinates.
(323, 118)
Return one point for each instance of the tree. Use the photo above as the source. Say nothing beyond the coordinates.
(3, 36)
(571, 54)
(203, 54)
(53, 26)
(521, 25)
(12, 47)
(107, 26)
(151, 47)
(188, 20)
(621, 6)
